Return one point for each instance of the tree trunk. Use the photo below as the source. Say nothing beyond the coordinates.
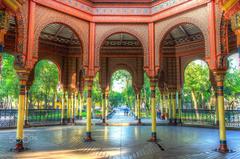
(195, 103)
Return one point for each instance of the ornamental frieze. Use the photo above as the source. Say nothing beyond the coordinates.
(121, 10)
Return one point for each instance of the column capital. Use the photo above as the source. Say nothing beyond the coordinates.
(219, 75)
(23, 74)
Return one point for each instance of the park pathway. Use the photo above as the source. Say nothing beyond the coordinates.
(120, 117)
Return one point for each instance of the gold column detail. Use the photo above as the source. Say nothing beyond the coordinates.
(219, 78)
(20, 120)
(89, 112)
(153, 110)
(63, 108)
(104, 108)
(139, 108)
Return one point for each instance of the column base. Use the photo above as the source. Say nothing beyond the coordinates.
(139, 122)
(88, 137)
(103, 120)
(19, 146)
(63, 122)
(68, 120)
(26, 123)
(153, 138)
(223, 148)
(179, 122)
(173, 122)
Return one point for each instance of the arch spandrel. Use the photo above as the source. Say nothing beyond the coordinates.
(22, 22)
(46, 16)
(104, 31)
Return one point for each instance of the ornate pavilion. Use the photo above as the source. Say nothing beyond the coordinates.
(83, 37)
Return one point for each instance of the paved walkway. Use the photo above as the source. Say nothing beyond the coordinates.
(124, 142)
(119, 118)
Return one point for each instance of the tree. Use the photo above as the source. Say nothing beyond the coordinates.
(45, 83)
(197, 85)
(124, 93)
(232, 81)
(9, 82)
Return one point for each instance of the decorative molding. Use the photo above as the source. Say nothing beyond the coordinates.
(122, 10)
(104, 31)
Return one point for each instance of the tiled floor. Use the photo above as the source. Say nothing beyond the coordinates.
(130, 142)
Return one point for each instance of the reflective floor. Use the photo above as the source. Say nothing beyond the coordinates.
(130, 142)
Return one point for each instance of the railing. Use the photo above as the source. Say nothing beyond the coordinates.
(44, 115)
(232, 118)
(8, 118)
(208, 117)
(201, 117)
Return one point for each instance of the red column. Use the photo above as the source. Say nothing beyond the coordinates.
(92, 33)
(151, 49)
(30, 38)
(212, 34)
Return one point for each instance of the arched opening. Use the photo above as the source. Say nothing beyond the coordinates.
(122, 51)
(60, 43)
(121, 94)
(44, 96)
(181, 44)
(199, 102)
(45, 85)
(197, 85)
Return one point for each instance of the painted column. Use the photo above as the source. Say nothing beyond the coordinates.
(153, 111)
(81, 105)
(69, 107)
(72, 107)
(216, 106)
(139, 108)
(162, 103)
(89, 113)
(63, 108)
(136, 108)
(26, 107)
(219, 77)
(174, 107)
(169, 101)
(179, 107)
(20, 120)
(76, 103)
(104, 108)
(107, 109)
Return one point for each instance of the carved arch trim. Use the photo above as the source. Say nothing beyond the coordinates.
(122, 29)
(125, 67)
(73, 25)
(169, 26)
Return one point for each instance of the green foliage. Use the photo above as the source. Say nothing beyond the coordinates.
(127, 96)
(96, 91)
(9, 82)
(146, 92)
(197, 82)
(232, 82)
(45, 83)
